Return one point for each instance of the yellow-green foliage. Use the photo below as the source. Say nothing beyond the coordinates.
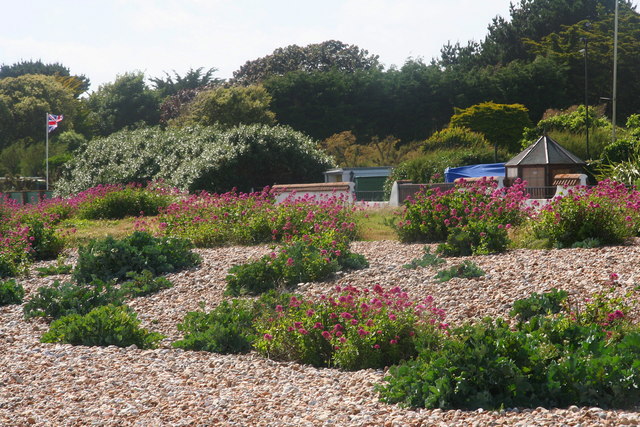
(501, 124)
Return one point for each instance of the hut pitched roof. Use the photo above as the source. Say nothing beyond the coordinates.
(545, 151)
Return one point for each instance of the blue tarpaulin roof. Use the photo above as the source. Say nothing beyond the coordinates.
(474, 171)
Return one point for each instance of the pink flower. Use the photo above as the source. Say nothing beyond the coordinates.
(290, 261)
(393, 341)
(326, 335)
(310, 312)
(392, 316)
(343, 340)
(303, 331)
(346, 315)
(268, 337)
(376, 346)
(279, 308)
(318, 325)
(362, 332)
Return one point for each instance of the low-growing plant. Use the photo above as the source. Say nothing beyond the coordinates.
(307, 259)
(104, 326)
(472, 218)
(124, 201)
(352, 329)
(552, 360)
(66, 298)
(539, 304)
(467, 270)
(14, 251)
(11, 292)
(427, 260)
(227, 329)
(144, 283)
(602, 214)
(58, 268)
(110, 258)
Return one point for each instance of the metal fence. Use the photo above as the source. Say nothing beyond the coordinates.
(28, 197)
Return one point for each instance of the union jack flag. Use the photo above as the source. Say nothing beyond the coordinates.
(52, 121)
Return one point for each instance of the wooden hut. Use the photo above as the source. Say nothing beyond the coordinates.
(539, 163)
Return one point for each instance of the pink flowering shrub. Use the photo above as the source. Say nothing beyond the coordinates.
(606, 213)
(211, 220)
(474, 216)
(350, 329)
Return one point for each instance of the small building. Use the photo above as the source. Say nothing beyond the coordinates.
(539, 163)
(369, 181)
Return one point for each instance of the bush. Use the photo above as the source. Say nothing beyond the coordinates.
(308, 259)
(550, 361)
(109, 258)
(501, 124)
(599, 213)
(355, 329)
(539, 305)
(45, 241)
(197, 158)
(11, 292)
(144, 283)
(120, 203)
(103, 326)
(472, 218)
(65, 298)
(14, 250)
(466, 270)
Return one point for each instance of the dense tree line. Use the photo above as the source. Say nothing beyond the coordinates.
(532, 58)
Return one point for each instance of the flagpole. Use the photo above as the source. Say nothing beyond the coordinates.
(46, 149)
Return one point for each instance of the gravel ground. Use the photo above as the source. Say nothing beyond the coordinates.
(46, 384)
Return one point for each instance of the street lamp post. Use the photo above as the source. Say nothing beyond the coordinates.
(586, 94)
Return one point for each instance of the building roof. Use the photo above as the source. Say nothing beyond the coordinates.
(545, 151)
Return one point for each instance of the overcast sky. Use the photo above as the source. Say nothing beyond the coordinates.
(107, 38)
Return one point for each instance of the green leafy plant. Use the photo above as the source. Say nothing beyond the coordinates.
(144, 283)
(103, 326)
(552, 357)
(11, 292)
(427, 260)
(123, 202)
(59, 268)
(353, 329)
(65, 298)
(539, 304)
(109, 258)
(303, 260)
(467, 270)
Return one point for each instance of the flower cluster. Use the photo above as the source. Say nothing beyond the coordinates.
(478, 209)
(248, 218)
(350, 329)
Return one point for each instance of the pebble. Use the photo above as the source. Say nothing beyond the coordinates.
(45, 384)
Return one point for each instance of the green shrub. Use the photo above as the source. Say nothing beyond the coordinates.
(551, 357)
(45, 241)
(354, 329)
(197, 158)
(103, 326)
(427, 260)
(475, 238)
(598, 214)
(59, 268)
(144, 283)
(466, 270)
(539, 304)
(11, 292)
(501, 124)
(123, 203)
(109, 258)
(308, 259)
(65, 298)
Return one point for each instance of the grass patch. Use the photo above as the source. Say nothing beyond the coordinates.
(81, 231)
(375, 224)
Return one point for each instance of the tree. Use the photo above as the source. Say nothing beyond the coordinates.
(228, 107)
(501, 124)
(124, 103)
(193, 79)
(80, 82)
(325, 56)
(197, 158)
(25, 100)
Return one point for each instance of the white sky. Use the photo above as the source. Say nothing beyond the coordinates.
(107, 38)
